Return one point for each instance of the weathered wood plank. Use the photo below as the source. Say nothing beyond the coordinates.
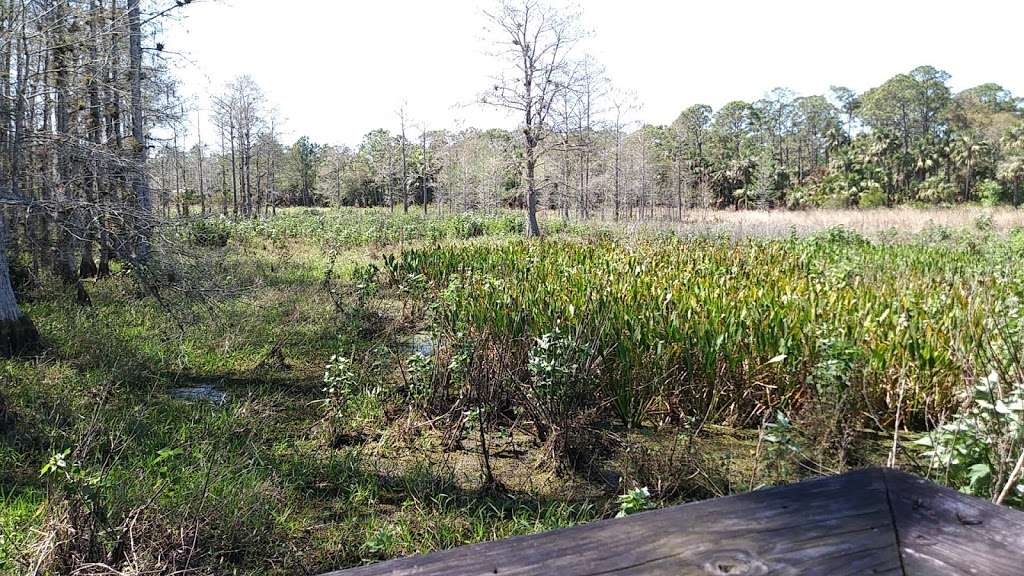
(943, 532)
(832, 526)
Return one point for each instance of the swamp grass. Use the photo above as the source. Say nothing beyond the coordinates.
(138, 481)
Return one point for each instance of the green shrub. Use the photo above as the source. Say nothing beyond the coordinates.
(1016, 240)
(967, 449)
(467, 226)
(560, 383)
(873, 196)
(636, 500)
(990, 192)
(212, 233)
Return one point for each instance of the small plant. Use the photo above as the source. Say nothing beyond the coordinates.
(57, 466)
(984, 223)
(636, 500)
(781, 443)
(420, 381)
(558, 367)
(163, 462)
(974, 451)
(340, 383)
(381, 541)
(837, 360)
(555, 363)
(841, 236)
(467, 226)
(365, 279)
(780, 435)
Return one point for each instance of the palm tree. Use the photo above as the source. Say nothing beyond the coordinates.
(1013, 140)
(1011, 171)
(881, 150)
(835, 139)
(926, 156)
(965, 152)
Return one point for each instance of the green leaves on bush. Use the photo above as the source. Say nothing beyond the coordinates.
(636, 500)
(967, 450)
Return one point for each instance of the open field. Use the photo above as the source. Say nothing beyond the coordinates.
(358, 385)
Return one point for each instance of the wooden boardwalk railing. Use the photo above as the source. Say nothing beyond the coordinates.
(866, 522)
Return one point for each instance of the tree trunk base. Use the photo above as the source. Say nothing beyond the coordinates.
(103, 270)
(87, 267)
(81, 296)
(17, 336)
(6, 416)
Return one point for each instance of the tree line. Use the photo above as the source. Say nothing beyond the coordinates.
(909, 140)
(580, 150)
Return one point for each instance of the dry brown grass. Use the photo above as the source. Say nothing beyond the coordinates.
(874, 222)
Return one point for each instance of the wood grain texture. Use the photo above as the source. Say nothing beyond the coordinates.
(943, 532)
(866, 522)
(834, 526)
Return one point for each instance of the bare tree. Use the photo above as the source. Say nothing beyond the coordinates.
(424, 167)
(534, 41)
(241, 115)
(405, 161)
(623, 104)
(199, 162)
(70, 178)
(140, 180)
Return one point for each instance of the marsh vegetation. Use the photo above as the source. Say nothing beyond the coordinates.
(224, 354)
(387, 385)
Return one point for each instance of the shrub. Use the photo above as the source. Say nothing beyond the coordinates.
(799, 197)
(340, 383)
(990, 192)
(559, 368)
(467, 226)
(967, 449)
(420, 380)
(512, 224)
(873, 196)
(1016, 240)
(213, 233)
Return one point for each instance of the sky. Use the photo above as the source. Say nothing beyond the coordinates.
(336, 69)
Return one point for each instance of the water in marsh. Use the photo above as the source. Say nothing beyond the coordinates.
(200, 393)
(422, 344)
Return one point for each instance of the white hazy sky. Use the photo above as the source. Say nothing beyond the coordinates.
(337, 69)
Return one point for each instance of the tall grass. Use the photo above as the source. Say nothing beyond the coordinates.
(353, 228)
(710, 328)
